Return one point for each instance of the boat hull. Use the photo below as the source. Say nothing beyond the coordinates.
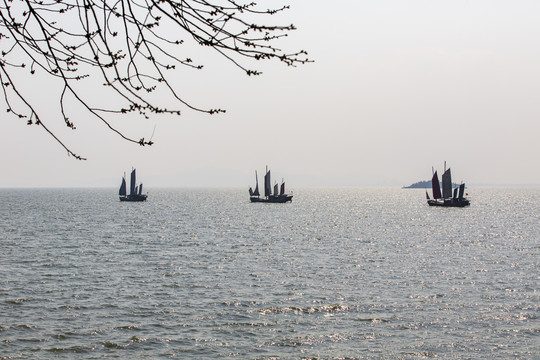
(272, 199)
(133, 198)
(449, 202)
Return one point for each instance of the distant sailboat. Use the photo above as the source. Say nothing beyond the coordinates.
(135, 191)
(449, 197)
(278, 196)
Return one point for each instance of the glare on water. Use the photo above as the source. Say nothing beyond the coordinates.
(338, 273)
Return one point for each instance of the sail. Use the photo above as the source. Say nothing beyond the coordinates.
(436, 186)
(140, 189)
(132, 190)
(122, 191)
(461, 190)
(276, 190)
(267, 186)
(455, 193)
(447, 184)
(136, 191)
(256, 192)
(282, 188)
(250, 191)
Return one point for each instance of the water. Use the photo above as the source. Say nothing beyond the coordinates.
(336, 274)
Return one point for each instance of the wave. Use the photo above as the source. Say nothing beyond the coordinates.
(305, 310)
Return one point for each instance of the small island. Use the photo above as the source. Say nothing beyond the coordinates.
(419, 185)
(425, 185)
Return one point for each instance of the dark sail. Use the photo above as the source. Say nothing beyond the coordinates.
(250, 191)
(455, 193)
(436, 186)
(267, 186)
(282, 188)
(256, 192)
(122, 191)
(276, 190)
(447, 184)
(132, 190)
(461, 190)
(140, 189)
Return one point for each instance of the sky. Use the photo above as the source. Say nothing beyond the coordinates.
(396, 87)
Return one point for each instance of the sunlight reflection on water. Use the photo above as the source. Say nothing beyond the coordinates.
(337, 273)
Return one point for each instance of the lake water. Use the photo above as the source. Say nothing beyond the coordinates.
(350, 273)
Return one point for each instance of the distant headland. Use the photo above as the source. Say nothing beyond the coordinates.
(424, 185)
(419, 185)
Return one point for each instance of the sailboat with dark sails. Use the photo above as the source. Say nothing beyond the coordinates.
(279, 195)
(135, 191)
(449, 197)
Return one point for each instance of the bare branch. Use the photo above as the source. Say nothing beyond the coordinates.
(129, 43)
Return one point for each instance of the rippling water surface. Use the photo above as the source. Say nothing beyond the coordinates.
(336, 274)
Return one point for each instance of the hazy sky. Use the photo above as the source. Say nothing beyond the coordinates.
(396, 88)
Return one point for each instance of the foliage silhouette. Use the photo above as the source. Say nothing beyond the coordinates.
(126, 45)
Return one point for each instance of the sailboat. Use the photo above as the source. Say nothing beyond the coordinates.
(135, 191)
(279, 195)
(449, 197)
